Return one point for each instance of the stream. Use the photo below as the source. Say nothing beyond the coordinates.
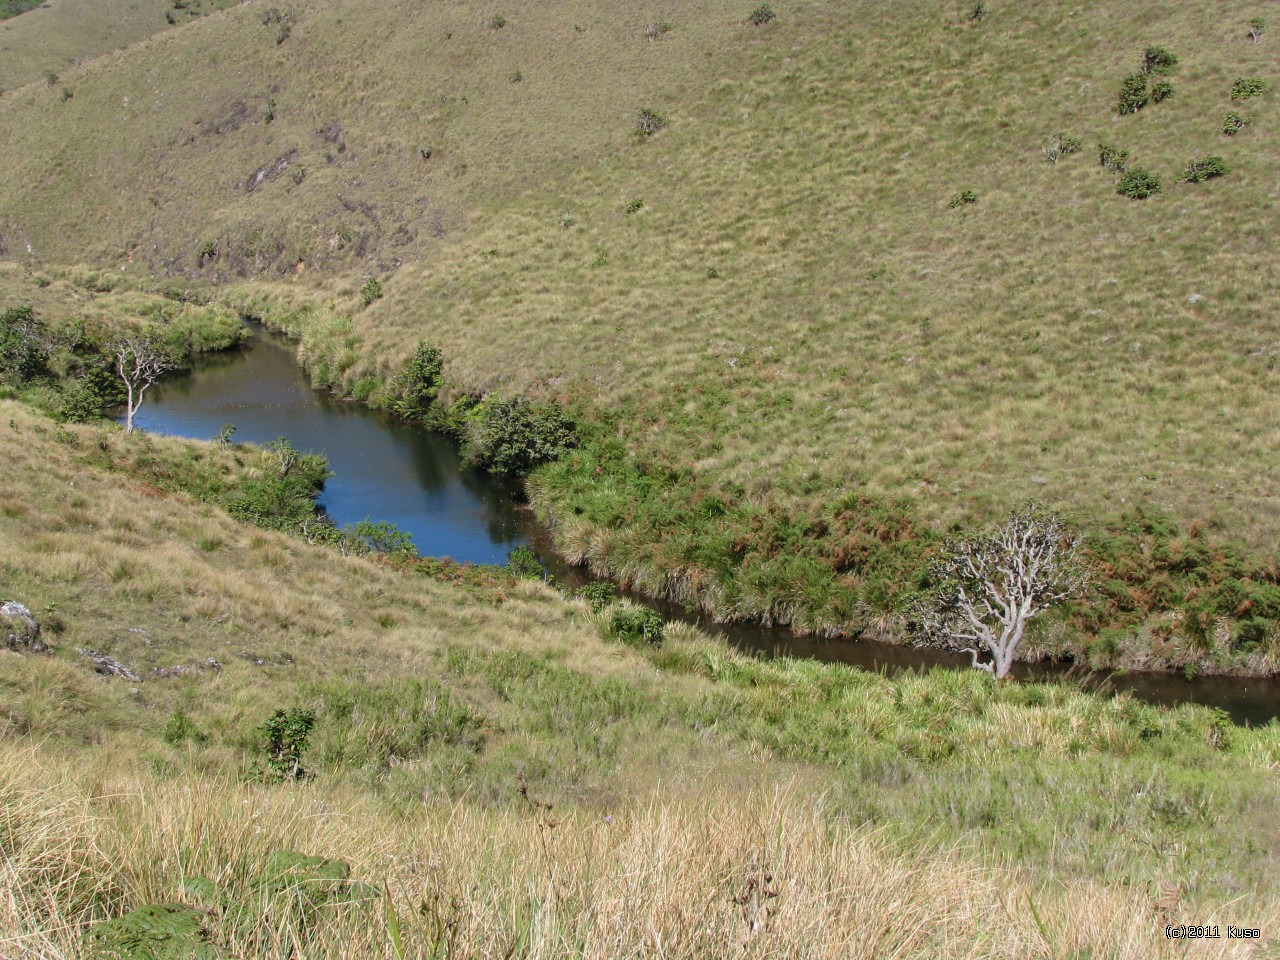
(386, 470)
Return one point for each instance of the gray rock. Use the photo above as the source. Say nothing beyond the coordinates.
(109, 666)
(19, 628)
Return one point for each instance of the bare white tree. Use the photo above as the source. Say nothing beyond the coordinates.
(990, 587)
(140, 362)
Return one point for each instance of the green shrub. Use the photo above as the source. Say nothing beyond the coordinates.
(523, 564)
(598, 595)
(1200, 170)
(1161, 91)
(514, 436)
(418, 384)
(649, 122)
(1133, 93)
(634, 206)
(382, 536)
(1158, 60)
(286, 735)
(24, 345)
(1113, 158)
(633, 623)
(979, 12)
(497, 22)
(285, 498)
(1138, 184)
(1255, 29)
(1233, 123)
(762, 15)
(371, 291)
(1246, 87)
(962, 198)
(84, 398)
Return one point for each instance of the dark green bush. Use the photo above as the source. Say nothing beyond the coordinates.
(1113, 158)
(523, 563)
(962, 198)
(1200, 170)
(418, 384)
(598, 595)
(1133, 93)
(87, 396)
(24, 345)
(1138, 184)
(1161, 91)
(497, 22)
(1246, 87)
(283, 499)
(371, 291)
(1158, 60)
(286, 735)
(633, 623)
(1233, 123)
(514, 436)
(762, 15)
(382, 536)
(979, 12)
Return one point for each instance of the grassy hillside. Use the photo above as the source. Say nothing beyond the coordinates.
(54, 39)
(452, 706)
(797, 364)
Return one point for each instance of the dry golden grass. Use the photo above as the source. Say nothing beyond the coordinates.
(764, 873)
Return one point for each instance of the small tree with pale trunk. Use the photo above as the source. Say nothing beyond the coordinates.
(988, 588)
(140, 362)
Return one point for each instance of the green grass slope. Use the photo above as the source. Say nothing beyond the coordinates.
(58, 37)
(456, 703)
(770, 304)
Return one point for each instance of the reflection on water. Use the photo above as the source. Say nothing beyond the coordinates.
(382, 470)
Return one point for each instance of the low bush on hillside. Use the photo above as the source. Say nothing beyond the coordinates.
(1233, 123)
(1200, 170)
(1133, 93)
(963, 198)
(282, 497)
(1161, 91)
(1246, 87)
(371, 291)
(1158, 60)
(1138, 184)
(762, 15)
(1113, 158)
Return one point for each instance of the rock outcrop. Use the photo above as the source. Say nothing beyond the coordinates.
(19, 628)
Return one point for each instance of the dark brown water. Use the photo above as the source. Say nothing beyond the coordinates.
(384, 470)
